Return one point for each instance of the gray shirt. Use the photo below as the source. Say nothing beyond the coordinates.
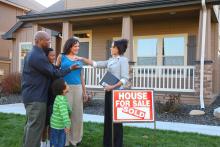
(118, 66)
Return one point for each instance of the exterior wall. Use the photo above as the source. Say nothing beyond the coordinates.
(6, 46)
(102, 33)
(70, 4)
(22, 35)
(216, 59)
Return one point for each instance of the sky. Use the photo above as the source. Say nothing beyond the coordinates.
(47, 3)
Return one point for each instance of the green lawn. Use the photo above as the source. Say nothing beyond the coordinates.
(11, 131)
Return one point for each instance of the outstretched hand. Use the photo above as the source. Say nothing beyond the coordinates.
(74, 66)
(76, 58)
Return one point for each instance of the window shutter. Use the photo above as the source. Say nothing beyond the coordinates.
(191, 49)
(108, 46)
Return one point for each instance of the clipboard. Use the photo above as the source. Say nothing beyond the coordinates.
(108, 79)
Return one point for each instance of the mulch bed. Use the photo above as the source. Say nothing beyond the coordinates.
(97, 107)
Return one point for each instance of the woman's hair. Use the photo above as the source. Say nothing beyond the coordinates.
(58, 86)
(48, 50)
(69, 44)
(122, 45)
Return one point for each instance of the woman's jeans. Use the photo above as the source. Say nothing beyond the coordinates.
(57, 138)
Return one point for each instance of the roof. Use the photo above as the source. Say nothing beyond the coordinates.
(57, 10)
(115, 8)
(9, 35)
(26, 4)
(56, 7)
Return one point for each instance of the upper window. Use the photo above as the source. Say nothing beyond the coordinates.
(24, 48)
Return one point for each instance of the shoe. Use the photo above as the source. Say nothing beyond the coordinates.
(43, 144)
(48, 143)
(79, 143)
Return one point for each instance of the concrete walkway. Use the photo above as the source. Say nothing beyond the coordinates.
(180, 127)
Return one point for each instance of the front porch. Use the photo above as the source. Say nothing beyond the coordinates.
(164, 45)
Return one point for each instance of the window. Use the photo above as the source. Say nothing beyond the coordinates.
(24, 48)
(147, 51)
(85, 39)
(167, 50)
(173, 51)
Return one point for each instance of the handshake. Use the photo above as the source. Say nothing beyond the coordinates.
(76, 65)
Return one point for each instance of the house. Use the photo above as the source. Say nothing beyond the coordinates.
(9, 10)
(173, 45)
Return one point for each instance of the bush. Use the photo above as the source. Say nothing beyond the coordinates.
(172, 105)
(11, 84)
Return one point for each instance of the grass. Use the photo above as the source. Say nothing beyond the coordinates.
(11, 132)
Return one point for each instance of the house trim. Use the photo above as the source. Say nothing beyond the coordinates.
(116, 8)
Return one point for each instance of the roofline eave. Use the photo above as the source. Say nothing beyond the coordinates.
(137, 6)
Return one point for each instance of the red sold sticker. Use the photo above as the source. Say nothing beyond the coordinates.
(133, 106)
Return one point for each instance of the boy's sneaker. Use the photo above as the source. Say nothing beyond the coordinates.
(43, 144)
(48, 143)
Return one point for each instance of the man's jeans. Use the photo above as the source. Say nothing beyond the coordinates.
(57, 138)
(36, 115)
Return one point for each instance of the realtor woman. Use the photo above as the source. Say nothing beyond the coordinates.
(118, 66)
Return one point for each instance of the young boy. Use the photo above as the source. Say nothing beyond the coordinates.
(60, 121)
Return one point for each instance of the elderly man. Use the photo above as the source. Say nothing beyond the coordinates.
(36, 77)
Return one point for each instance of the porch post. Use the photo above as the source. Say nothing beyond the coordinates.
(127, 33)
(66, 33)
(204, 64)
(36, 28)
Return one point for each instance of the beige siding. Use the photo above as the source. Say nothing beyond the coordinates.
(23, 35)
(9, 16)
(102, 33)
(7, 19)
(100, 36)
(216, 58)
(75, 4)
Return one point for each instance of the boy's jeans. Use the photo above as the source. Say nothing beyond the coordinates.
(57, 138)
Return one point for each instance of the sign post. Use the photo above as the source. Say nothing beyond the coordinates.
(132, 106)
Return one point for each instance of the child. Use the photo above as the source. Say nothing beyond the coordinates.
(60, 121)
(50, 53)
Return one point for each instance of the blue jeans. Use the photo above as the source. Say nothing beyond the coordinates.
(57, 138)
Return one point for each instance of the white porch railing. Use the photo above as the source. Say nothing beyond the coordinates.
(164, 78)
(159, 78)
(93, 76)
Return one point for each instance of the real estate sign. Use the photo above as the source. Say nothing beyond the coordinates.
(133, 106)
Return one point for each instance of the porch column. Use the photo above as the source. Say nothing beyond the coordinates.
(208, 37)
(36, 28)
(204, 75)
(66, 33)
(127, 33)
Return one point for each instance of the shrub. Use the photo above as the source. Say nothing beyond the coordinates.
(11, 84)
(172, 105)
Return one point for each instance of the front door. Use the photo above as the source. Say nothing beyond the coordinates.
(84, 49)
